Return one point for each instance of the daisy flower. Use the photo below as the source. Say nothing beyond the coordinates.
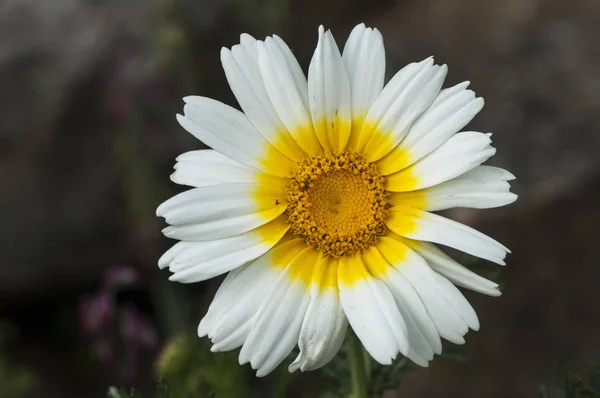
(317, 201)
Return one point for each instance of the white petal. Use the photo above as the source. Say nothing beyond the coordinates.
(293, 66)
(198, 261)
(231, 312)
(248, 40)
(456, 273)
(372, 312)
(243, 74)
(276, 326)
(329, 93)
(401, 102)
(322, 333)
(219, 211)
(233, 326)
(324, 326)
(208, 167)
(364, 59)
(458, 301)
(461, 153)
(422, 334)
(452, 110)
(483, 187)
(420, 225)
(228, 131)
(449, 323)
(287, 88)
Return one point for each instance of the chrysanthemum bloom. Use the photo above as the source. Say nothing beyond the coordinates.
(317, 200)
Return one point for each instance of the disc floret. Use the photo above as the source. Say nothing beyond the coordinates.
(337, 203)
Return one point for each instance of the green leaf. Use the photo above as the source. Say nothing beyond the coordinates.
(114, 392)
(574, 386)
(542, 391)
(389, 377)
(594, 375)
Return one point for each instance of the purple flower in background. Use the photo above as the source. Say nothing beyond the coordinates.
(118, 276)
(117, 330)
(95, 314)
(136, 328)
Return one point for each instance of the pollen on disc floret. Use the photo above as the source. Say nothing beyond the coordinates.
(337, 203)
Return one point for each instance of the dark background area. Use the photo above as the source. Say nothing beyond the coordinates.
(88, 137)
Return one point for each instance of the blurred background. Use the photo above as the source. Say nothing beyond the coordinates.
(88, 138)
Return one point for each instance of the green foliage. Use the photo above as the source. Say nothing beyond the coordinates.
(380, 378)
(337, 374)
(389, 377)
(572, 385)
(188, 369)
(162, 391)
(15, 382)
(191, 370)
(114, 392)
(282, 378)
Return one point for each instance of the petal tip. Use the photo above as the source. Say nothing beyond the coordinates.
(202, 330)
(176, 277)
(294, 366)
(508, 176)
(225, 52)
(165, 260)
(246, 39)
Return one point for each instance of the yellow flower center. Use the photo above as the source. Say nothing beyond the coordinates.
(337, 203)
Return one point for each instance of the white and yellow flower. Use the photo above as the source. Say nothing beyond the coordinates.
(317, 200)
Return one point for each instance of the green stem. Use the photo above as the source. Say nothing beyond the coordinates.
(359, 364)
